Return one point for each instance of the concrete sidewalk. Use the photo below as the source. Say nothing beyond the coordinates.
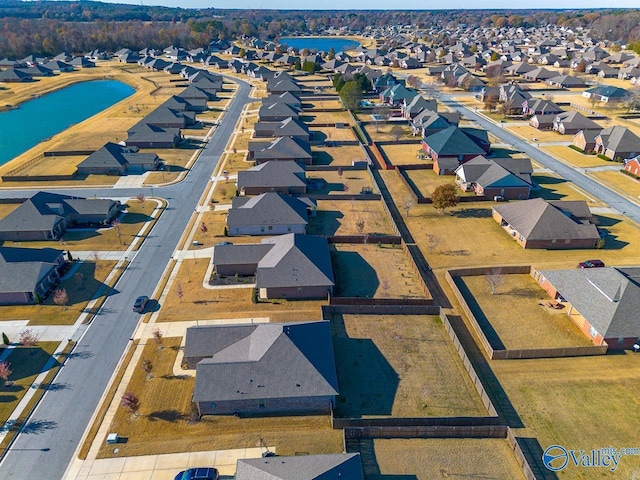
(158, 467)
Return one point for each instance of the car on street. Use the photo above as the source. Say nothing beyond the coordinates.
(200, 473)
(140, 304)
(591, 264)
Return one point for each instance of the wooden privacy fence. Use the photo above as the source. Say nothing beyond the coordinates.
(491, 343)
(425, 431)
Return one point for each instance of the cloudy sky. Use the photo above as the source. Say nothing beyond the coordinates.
(383, 5)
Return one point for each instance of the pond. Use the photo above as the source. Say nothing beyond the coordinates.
(321, 43)
(43, 117)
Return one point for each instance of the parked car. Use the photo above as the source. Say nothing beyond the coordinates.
(222, 244)
(498, 198)
(591, 264)
(140, 304)
(201, 473)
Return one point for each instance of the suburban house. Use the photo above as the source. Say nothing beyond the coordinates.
(602, 302)
(282, 82)
(565, 81)
(413, 106)
(570, 123)
(285, 176)
(282, 148)
(114, 159)
(277, 112)
(538, 75)
(585, 140)
(46, 216)
(617, 142)
(607, 94)
(287, 98)
(301, 467)
(397, 95)
(633, 166)
(11, 75)
(539, 106)
(451, 147)
(489, 178)
(164, 117)
(542, 121)
(290, 127)
(27, 275)
(269, 213)
(554, 224)
(286, 266)
(144, 135)
(263, 368)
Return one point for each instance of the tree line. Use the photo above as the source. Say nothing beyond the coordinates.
(49, 27)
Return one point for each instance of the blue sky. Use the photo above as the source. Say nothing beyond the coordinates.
(380, 4)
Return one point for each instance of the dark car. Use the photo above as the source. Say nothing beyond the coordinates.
(204, 473)
(140, 304)
(591, 264)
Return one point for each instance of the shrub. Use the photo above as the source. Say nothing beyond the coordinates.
(577, 149)
(627, 172)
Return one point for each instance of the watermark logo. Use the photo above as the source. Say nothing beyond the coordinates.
(556, 457)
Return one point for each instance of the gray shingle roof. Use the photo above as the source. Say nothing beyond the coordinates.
(295, 261)
(286, 173)
(452, 141)
(609, 298)
(284, 148)
(340, 466)
(269, 208)
(21, 269)
(267, 360)
(537, 219)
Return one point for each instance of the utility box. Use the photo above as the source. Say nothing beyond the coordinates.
(112, 438)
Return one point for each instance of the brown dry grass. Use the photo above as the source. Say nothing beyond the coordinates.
(320, 105)
(519, 314)
(333, 134)
(7, 208)
(570, 156)
(541, 136)
(427, 180)
(201, 303)
(374, 271)
(402, 154)
(383, 132)
(342, 155)
(339, 217)
(355, 180)
(79, 291)
(317, 117)
(163, 427)
(241, 141)
(440, 458)
(560, 399)
(401, 366)
(619, 181)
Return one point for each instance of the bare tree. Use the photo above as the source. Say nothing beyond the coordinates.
(61, 298)
(385, 287)
(432, 90)
(407, 204)
(78, 279)
(131, 402)
(28, 338)
(360, 226)
(506, 107)
(495, 278)
(340, 171)
(179, 291)
(140, 197)
(116, 226)
(396, 132)
(432, 242)
(5, 371)
(413, 81)
(204, 228)
(382, 113)
(147, 367)
(157, 337)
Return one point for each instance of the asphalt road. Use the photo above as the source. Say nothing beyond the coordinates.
(47, 443)
(592, 188)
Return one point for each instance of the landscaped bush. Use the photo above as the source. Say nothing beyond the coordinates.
(577, 149)
(603, 157)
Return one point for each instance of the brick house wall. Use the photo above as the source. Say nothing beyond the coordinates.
(295, 292)
(254, 406)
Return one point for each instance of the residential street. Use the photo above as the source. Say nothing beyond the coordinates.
(592, 188)
(46, 445)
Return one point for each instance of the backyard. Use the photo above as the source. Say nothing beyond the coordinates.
(518, 312)
(400, 366)
(341, 217)
(374, 271)
(403, 154)
(339, 155)
(164, 423)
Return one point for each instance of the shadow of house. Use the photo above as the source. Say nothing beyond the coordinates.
(368, 383)
(355, 277)
(326, 222)
(310, 467)
(28, 362)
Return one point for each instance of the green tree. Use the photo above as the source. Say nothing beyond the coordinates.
(494, 56)
(332, 54)
(310, 67)
(351, 95)
(338, 82)
(445, 196)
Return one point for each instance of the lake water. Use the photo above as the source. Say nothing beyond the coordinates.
(43, 117)
(321, 43)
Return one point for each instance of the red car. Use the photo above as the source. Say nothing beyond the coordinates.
(591, 264)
